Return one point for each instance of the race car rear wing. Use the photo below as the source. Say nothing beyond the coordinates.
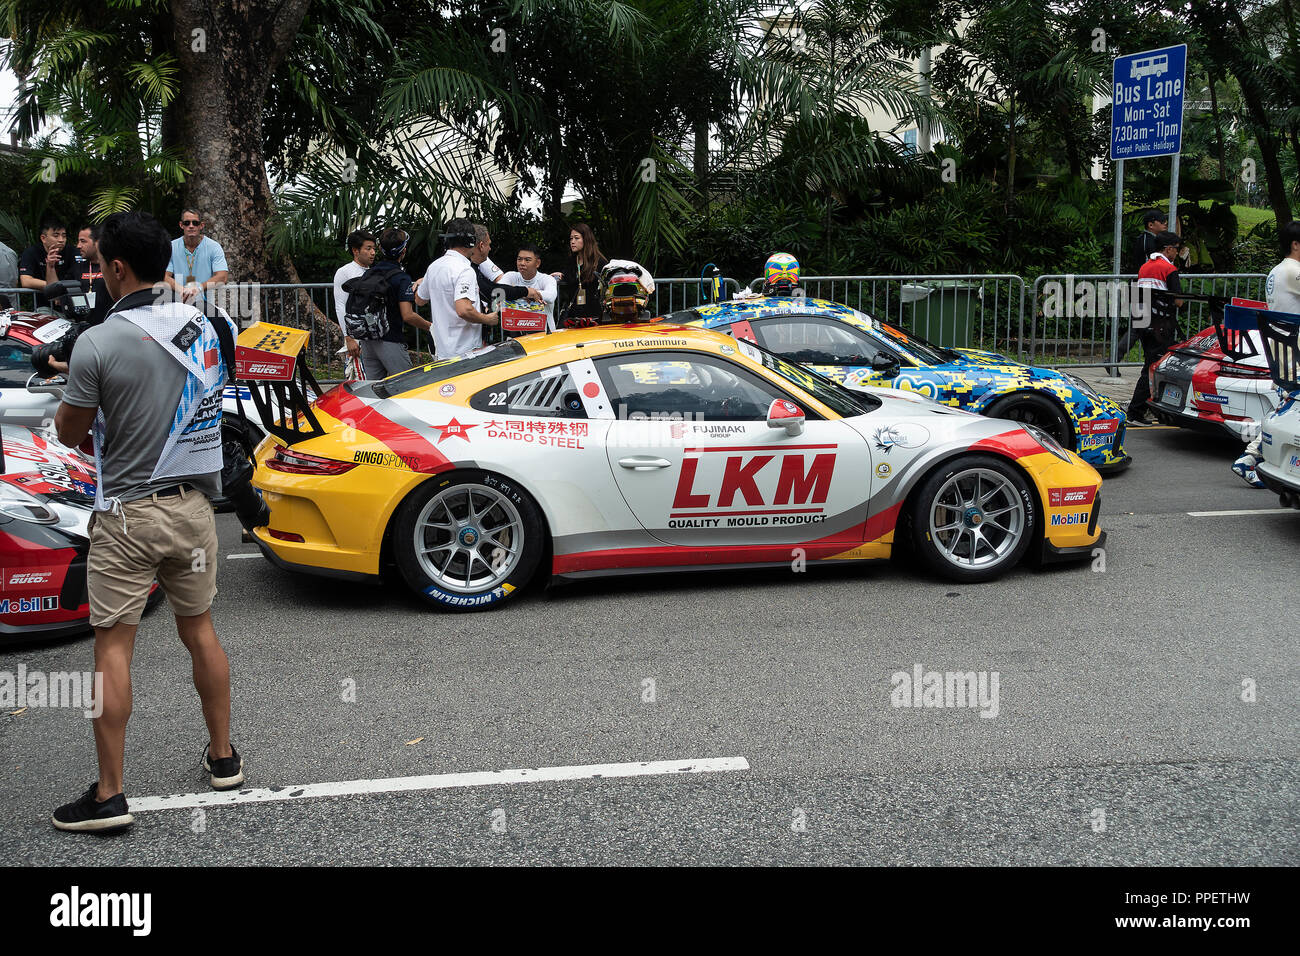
(269, 360)
(1279, 332)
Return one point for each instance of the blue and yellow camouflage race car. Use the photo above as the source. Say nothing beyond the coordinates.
(859, 351)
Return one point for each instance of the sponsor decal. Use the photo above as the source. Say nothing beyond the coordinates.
(1209, 398)
(1066, 497)
(883, 470)
(469, 600)
(726, 350)
(1266, 438)
(1091, 442)
(749, 487)
(28, 579)
(453, 429)
(548, 433)
(1295, 461)
(1107, 426)
(31, 605)
(448, 389)
(387, 459)
(903, 435)
(1075, 517)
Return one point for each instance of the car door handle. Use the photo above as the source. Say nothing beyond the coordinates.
(644, 463)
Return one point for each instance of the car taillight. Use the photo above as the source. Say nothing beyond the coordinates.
(300, 463)
(1233, 370)
(286, 535)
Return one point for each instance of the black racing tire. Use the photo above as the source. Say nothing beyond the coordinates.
(231, 445)
(1037, 410)
(945, 532)
(459, 516)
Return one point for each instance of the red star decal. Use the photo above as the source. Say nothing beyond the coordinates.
(453, 429)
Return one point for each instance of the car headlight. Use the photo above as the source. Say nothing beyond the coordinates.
(1081, 385)
(24, 506)
(1047, 441)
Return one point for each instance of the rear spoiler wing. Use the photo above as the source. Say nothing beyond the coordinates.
(269, 360)
(1279, 332)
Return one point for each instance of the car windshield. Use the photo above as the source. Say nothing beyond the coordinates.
(926, 351)
(843, 402)
(435, 372)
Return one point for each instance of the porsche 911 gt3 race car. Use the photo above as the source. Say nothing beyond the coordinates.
(1196, 386)
(857, 350)
(46, 496)
(654, 446)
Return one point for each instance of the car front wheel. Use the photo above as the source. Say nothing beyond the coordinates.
(468, 541)
(1035, 410)
(973, 519)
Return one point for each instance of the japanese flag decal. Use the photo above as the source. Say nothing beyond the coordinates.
(594, 399)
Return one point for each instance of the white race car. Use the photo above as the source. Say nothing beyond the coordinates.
(1280, 438)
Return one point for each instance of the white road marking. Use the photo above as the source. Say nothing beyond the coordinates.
(1279, 510)
(438, 781)
(236, 557)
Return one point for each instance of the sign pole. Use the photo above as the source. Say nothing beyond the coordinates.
(1173, 195)
(1119, 211)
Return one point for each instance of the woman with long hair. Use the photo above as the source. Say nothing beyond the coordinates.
(581, 277)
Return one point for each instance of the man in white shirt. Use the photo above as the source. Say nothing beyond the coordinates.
(1282, 293)
(450, 287)
(541, 287)
(1282, 289)
(364, 248)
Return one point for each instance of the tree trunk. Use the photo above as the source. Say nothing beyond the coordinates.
(701, 157)
(227, 51)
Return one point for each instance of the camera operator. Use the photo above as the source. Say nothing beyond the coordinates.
(148, 381)
(49, 260)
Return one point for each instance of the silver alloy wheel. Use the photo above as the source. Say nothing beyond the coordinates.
(977, 518)
(468, 530)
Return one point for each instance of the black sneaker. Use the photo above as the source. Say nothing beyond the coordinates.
(89, 815)
(226, 772)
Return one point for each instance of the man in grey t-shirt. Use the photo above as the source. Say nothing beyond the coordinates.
(148, 380)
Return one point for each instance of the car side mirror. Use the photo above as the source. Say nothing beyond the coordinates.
(787, 415)
(46, 386)
(887, 364)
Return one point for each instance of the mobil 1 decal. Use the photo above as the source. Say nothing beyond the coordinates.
(741, 486)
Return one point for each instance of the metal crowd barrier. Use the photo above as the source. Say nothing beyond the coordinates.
(1079, 320)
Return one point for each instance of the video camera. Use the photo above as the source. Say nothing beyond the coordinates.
(69, 301)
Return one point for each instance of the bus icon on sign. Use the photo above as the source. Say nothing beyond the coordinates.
(1149, 66)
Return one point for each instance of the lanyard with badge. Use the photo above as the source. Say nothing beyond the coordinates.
(189, 262)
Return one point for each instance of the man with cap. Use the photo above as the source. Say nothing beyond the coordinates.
(1158, 329)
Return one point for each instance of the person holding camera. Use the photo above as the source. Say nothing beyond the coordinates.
(48, 260)
(450, 287)
(147, 385)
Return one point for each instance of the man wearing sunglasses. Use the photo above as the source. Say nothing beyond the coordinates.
(198, 263)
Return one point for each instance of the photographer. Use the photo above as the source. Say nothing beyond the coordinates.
(49, 260)
(149, 381)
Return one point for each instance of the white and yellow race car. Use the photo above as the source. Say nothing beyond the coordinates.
(653, 446)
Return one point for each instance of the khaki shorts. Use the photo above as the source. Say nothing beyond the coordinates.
(172, 539)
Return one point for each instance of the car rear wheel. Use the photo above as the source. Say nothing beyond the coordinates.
(972, 519)
(1035, 410)
(468, 541)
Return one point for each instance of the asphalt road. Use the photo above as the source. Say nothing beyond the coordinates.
(1120, 702)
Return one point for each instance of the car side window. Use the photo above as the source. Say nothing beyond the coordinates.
(683, 385)
(813, 340)
(548, 393)
(15, 365)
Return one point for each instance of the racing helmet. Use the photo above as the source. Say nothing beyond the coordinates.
(628, 288)
(780, 274)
